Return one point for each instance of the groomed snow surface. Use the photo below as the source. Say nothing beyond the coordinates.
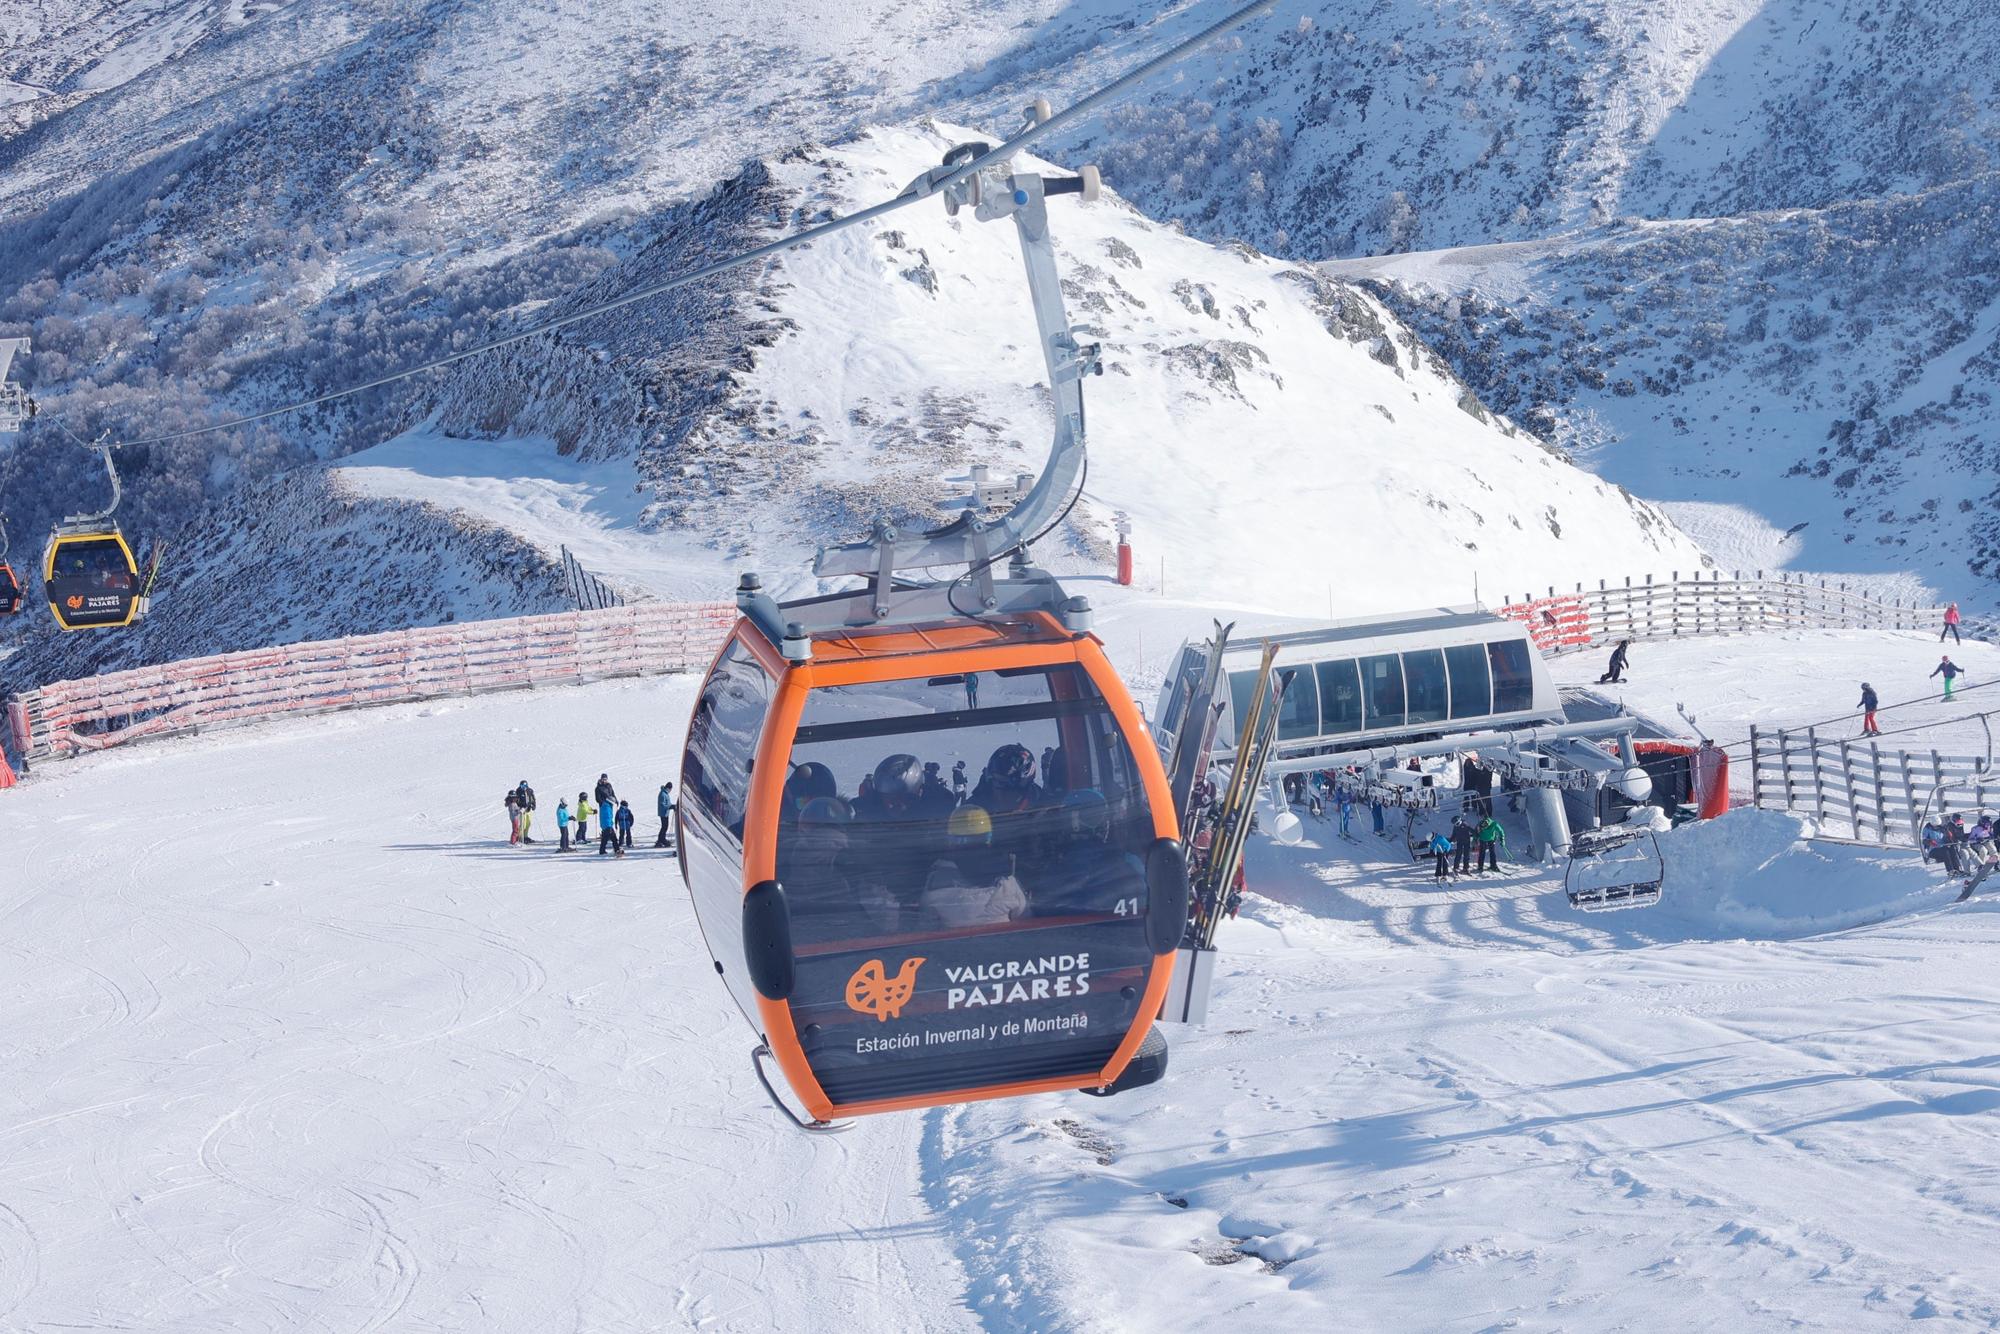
(296, 1040)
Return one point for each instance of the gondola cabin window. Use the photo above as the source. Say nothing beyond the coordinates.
(878, 840)
(722, 739)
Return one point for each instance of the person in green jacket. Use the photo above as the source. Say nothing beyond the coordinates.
(583, 813)
(1492, 838)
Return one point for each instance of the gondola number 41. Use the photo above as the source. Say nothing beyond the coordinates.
(1126, 908)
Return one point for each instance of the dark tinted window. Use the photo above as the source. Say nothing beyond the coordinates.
(1513, 676)
(1240, 686)
(98, 563)
(1423, 677)
(1298, 713)
(1471, 684)
(1056, 833)
(1382, 679)
(722, 738)
(1339, 697)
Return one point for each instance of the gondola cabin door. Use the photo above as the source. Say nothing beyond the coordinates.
(933, 863)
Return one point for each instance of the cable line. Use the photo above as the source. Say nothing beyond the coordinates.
(930, 183)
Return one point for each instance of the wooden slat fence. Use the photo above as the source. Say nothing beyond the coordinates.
(1712, 603)
(1859, 789)
(398, 666)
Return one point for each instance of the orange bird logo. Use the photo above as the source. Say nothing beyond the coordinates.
(74, 603)
(872, 991)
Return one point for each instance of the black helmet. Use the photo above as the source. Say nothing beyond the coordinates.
(826, 810)
(1012, 764)
(1087, 813)
(899, 776)
(809, 780)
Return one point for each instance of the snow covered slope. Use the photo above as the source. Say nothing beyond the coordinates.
(1270, 432)
(1833, 373)
(297, 1038)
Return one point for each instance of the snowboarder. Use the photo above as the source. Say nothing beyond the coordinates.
(1441, 850)
(524, 796)
(1492, 838)
(513, 817)
(1615, 673)
(623, 822)
(1950, 671)
(583, 813)
(666, 814)
(1950, 625)
(562, 823)
(1463, 836)
(1869, 703)
(604, 790)
(607, 827)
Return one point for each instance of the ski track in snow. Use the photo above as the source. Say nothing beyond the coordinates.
(298, 1043)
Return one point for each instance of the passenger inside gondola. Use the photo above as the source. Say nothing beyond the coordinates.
(915, 857)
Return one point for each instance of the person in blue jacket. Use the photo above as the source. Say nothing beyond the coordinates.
(623, 822)
(666, 815)
(607, 827)
(562, 823)
(1441, 850)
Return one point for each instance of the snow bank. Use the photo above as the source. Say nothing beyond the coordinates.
(1754, 873)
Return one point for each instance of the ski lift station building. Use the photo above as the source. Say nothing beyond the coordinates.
(1381, 680)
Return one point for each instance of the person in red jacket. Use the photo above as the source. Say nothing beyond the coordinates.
(1950, 625)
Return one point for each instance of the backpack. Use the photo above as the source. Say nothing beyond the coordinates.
(527, 798)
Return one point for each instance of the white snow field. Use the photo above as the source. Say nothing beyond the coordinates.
(296, 1041)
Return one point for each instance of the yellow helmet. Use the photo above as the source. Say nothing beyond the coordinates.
(970, 822)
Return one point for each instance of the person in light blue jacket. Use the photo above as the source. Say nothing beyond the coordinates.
(607, 827)
(1441, 850)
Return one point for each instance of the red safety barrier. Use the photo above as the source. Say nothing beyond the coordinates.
(397, 666)
(1708, 770)
(1125, 564)
(1553, 623)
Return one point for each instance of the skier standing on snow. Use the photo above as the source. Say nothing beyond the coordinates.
(623, 821)
(604, 790)
(1441, 850)
(1492, 838)
(1950, 671)
(583, 813)
(607, 827)
(1869, 703)
(1345, 800)
(1950, 625)
(513, 817)
(1615, 673)
(524, 796)
(562, 823)
(666, 813)
(1462, 839)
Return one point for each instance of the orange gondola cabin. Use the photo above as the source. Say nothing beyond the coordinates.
(11, 593)
(935, 861)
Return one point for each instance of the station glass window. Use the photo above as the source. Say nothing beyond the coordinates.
(1513, 676)
(1382, 678)
(1241, 686)
(1471, 683)
(1298, 713)
(1423, 676)
(1339, 697)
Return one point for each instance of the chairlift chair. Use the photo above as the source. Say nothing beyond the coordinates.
(1614, 868)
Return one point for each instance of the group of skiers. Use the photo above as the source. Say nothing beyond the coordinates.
(1946, 668)
(613, 818)
(1961, 850)
(1452, 851)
